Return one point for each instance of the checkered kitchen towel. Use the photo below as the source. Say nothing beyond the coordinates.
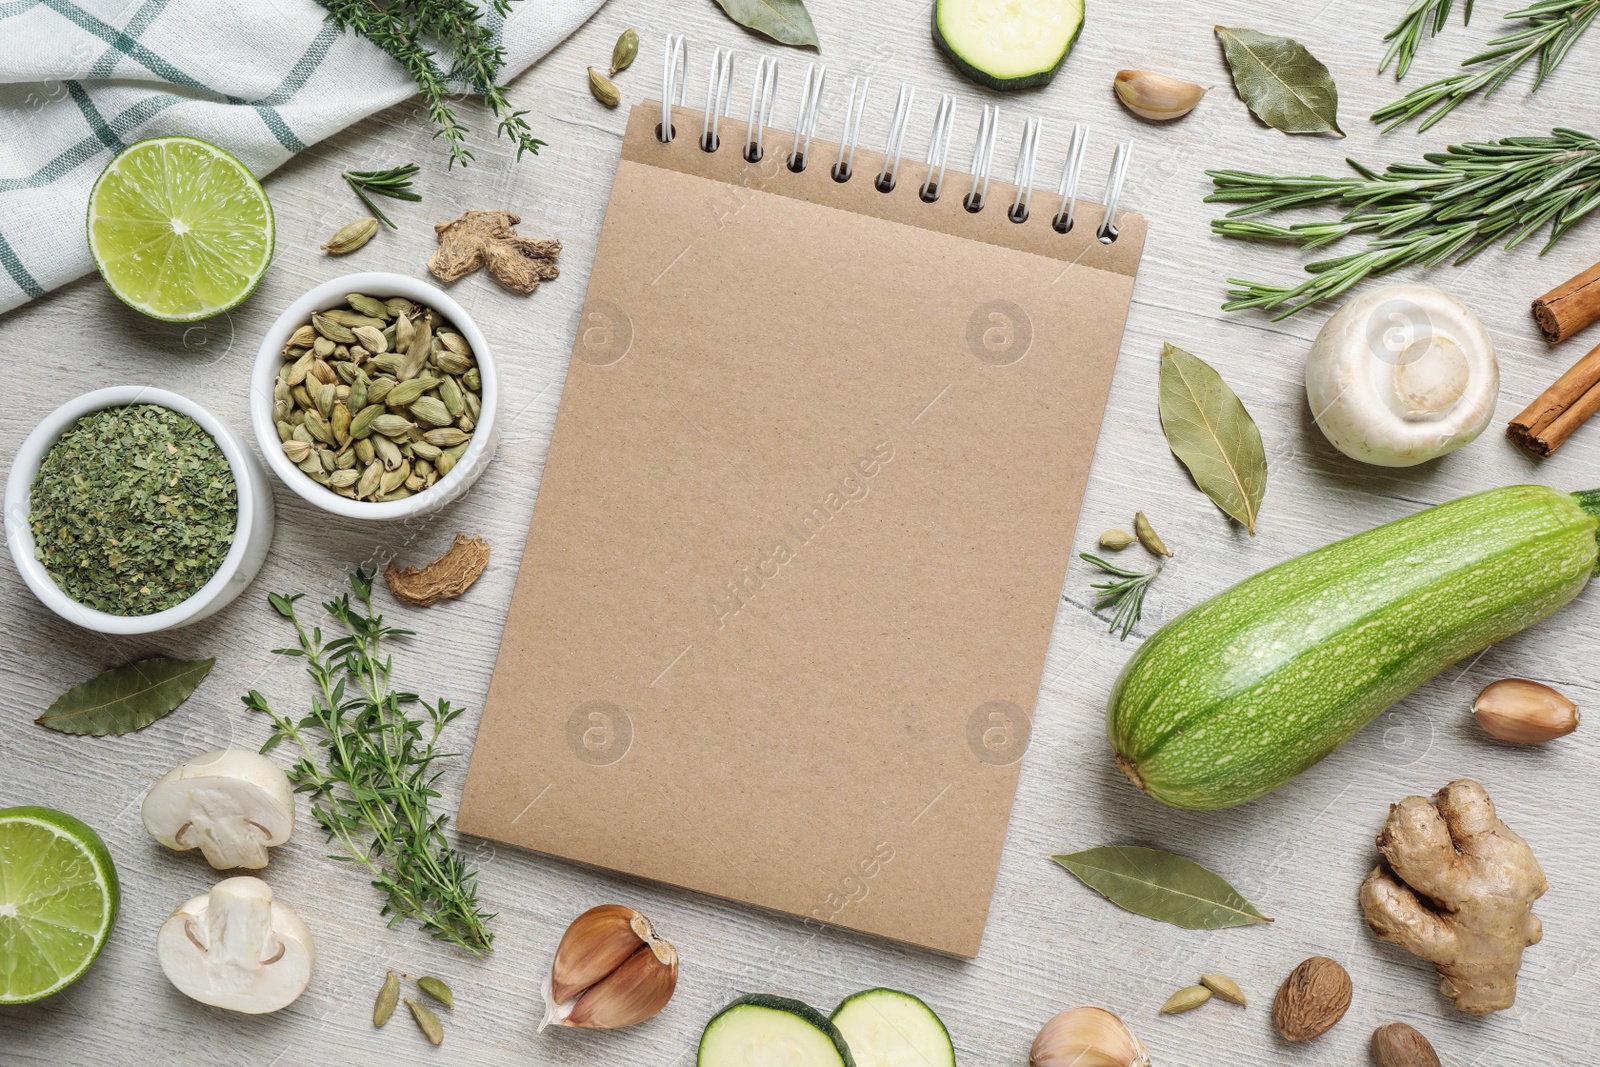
(80, 79)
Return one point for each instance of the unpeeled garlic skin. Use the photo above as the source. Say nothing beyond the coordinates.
(1157, 97)
(1087, 1037)
(610, 971)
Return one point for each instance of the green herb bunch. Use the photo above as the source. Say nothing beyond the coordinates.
(1553, 27)
(1450, 207)
(405, 28)
(370, 769)
(1423, 17)
(1126, 594)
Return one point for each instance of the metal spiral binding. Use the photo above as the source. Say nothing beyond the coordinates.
(896, 144)
(805, 124)
(983, 157)
(853, 109)
(763, 99)
(674, 75)
(944, 126)
(1027, 159)
(718, 92)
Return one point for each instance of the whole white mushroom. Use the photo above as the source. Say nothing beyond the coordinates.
(237, 948)
(1401, 375)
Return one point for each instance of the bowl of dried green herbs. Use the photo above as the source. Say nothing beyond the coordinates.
(131, 510)
(373, 397)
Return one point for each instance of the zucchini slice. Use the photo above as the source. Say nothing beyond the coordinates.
(1008, 44)
(766, 1031)
(887, 1028)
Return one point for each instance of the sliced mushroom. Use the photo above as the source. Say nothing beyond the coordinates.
(235, 948)
(231, 804)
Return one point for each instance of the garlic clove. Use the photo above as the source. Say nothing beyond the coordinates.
(597, 943)
(1524, 712)
(1087, 1037)
(630, 994)
(611, 970)
(1157, 97)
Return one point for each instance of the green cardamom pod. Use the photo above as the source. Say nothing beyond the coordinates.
(420, 465)
(346, 371)
(371, 339)
(389, 362)
(1186, 999)
(427, 1021)
(341, 479)
(318, 427)
(445, 436)
(366, 305)
(394, 479)
(297, 451)
(352, 319)
(1147, 536)
(391, 425)
(624, 51)
(387, 451)
(404, 331)
(351, 236)
(603, 90)
(303, 337)
(430, 410)
(324, 399)
(466, 424)
(329, 461)
(299, 369)
(370, 479)
(407, 393)
(331, 331)
(452, 363)
(423, 450)
(364, 451)
(358, 392)
(1116, 539)
(473, 380)
(312, 464)
(1224, 987)
(340, 420)
(361, 424)
(455, 344)
(474, 406)
(346, 459)
(378, 389)
(450, 396)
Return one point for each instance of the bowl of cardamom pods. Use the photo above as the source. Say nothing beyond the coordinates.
(132, 510)
(373, 397)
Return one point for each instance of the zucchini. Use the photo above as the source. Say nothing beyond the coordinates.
(766, 1031)
(1242, 692)
(887, 1028)
(1007, 44)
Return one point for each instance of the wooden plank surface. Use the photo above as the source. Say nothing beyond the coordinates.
(1299, 854)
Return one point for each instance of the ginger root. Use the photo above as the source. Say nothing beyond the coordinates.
(448, 576)
(487, 238)
(1458, 891)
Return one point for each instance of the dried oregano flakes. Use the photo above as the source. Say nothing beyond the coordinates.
(133, 509)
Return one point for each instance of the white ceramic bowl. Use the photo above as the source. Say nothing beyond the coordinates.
(380, 285)
(251, 537)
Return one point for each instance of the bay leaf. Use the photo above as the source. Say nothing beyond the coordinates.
(1210, 431)
(785, 21)
(1286, 86)
(1159, 885)
(125, 699)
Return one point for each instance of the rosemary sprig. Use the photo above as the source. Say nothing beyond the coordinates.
(1452, 206)
(1428, 17)
(1553, 27)
(394, 183)
(399, 27)
(1126, 594)
(373, 789)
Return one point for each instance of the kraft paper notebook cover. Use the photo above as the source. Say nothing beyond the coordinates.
(799, 542)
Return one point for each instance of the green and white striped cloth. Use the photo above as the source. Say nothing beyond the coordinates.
(80, 79)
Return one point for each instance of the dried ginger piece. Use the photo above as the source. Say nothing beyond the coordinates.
(479, 237)
(521, 263)
(448, 576)
(1458, 890)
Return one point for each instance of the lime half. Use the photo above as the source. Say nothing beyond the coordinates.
(58, 901)
(179, 228)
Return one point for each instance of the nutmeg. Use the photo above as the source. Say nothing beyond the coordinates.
(1314, 997)
(1399, 1045)
(1524, 712)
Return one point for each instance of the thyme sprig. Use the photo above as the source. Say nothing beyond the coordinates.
(401, 28)
(1553, 27)
(1126, 594)
(1451, 206)
(369, 768)
(1423, 17)
(394, 183)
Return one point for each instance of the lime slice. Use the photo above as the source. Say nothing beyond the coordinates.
(58, 901)
(179, 228)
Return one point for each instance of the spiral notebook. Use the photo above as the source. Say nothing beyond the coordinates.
(799, 542)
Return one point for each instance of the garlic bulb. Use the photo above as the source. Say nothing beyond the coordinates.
(1087, 1037)
(1157, 97)
(1402, 374)
(611, 970)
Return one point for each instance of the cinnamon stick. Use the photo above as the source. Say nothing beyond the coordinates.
(1560, 409)
(1569, 307)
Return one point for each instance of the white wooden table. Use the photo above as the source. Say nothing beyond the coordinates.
(1299, 854)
